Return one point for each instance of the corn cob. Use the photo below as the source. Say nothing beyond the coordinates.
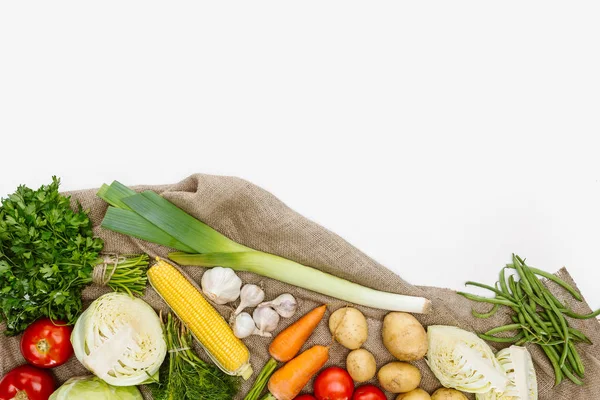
(206, 324)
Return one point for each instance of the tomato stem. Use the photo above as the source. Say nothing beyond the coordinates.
(21, 395)
(43, 347)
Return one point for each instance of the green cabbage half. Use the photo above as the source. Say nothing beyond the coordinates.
(518, 365)
(94, 388)
(120, 339)
(461, 360)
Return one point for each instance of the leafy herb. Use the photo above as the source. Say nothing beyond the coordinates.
(184, 375)
(47, 255)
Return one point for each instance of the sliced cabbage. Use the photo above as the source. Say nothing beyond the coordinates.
(461, 360)
(518, 365)
(94, 388)
(120, 339)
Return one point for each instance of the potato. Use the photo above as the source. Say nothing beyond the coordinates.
(417, 394)
(399, 377)
(448, 394)
(349, 327)
(361, 365)
(404, 336)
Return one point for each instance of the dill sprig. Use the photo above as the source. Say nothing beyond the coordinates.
(184, 375)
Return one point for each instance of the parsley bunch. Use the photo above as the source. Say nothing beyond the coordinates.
(47, 255)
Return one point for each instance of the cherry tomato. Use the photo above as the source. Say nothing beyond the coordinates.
(334, 383)
(305, 397)
(27, 383)
(47, 344)
(368, 392)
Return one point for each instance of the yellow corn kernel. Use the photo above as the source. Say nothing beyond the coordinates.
(207, 325)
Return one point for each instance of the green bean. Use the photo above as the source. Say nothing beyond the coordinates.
(539, 317)
(512, 285)
(558, 375)
(572, 314)
(573, 363)
(503, 286)
(487, 299)
(579, 335)
(532, 298)
(520, 293)
(498, 292)
(565, 327)
(534, 317)
(501, 339)
(487, 314)
(566, 371)
(555, 323)
(553, 343)
(536, 286)
(558, 281)
(579, 367)
(572, 377)
(505, 328)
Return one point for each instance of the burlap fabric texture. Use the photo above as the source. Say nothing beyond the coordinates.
(255, 218)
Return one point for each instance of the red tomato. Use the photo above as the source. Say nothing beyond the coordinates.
(26, 383)
(368, 392)
(334, 383)
(47, 344)
(305, 397)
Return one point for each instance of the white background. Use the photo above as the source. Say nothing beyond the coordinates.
(438, 137)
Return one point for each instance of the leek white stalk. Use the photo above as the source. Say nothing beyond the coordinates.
(296, 274)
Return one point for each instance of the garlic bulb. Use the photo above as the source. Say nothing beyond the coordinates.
(244, 326)
(266, 320)
(285, 305)
(251, 296)
(221, 285)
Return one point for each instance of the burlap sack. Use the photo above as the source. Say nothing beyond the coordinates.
(257, 219)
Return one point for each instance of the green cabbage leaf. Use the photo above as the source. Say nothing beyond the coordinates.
(94, 388)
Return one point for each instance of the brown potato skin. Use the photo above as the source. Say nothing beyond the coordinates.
(448, 394)
(417, 394)
(361, 365)
(399, 377)
(349, 327)
(404, 336)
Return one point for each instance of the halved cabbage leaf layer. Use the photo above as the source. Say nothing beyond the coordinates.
(518, 365)
(463, 361)
(120, 339)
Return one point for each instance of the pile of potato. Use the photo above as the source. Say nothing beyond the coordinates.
(403, 336)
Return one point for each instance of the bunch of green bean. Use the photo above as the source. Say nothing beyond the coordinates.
(539, 317)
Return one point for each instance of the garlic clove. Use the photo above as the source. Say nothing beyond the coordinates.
(266, 320)
(221, 285)
(285, 305)
(244, 326)
(250, 296)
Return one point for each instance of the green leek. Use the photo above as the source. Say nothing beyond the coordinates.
(179, 224)
(150, 217)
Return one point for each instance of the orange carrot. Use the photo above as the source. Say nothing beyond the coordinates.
(286, 346)
(289, 380)
(289, 342)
